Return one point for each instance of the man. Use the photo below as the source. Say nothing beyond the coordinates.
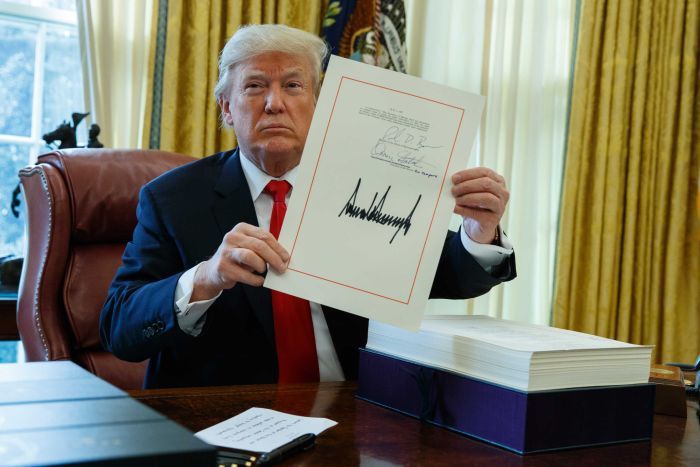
(188, 295)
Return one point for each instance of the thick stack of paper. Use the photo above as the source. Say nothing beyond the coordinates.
(521, 356)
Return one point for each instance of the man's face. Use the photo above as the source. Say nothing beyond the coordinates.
(270, 106)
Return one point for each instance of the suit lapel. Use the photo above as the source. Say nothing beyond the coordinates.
(232, 205)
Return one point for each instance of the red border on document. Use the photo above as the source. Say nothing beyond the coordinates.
(313, 179)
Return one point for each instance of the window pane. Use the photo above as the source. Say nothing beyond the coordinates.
(58, 4)
(13, 157)
(8, 351)
(63, 83)
(18, 42)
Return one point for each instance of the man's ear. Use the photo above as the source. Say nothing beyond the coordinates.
(226, 115)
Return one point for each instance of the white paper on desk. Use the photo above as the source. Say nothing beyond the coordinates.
(261, 430)
(381, 143)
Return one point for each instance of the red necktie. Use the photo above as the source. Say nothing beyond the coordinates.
(294, 331)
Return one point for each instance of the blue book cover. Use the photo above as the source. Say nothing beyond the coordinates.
(523, 422)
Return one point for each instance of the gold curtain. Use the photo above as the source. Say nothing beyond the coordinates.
(196, 33)
(628, 263)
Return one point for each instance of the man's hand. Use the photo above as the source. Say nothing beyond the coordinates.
(480, 198)
(242, 256)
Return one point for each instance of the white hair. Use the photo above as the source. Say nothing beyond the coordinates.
(256, 39)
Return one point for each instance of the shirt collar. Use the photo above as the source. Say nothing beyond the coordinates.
(258, 180)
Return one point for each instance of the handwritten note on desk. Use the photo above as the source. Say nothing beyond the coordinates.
(261, 430)
(371, 205)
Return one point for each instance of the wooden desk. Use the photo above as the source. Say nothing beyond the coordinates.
(368, 434)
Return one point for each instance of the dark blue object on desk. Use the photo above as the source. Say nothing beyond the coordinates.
(515, 420)
(56, 413)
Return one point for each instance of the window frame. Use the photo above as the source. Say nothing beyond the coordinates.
(40, 16)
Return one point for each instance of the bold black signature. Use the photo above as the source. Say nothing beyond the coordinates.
(374, 212)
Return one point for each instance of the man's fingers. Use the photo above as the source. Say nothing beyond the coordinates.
(482, 215)
(481, 185)
(244, 254)
(248, 260)
(250, 278)
(260, 234)
(272, 242)
(481, 201)
(265, 253)
(260, 242)
(476, 173)
(239, 265)
(231, 273)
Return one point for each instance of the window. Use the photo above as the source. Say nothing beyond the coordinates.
(42, 85)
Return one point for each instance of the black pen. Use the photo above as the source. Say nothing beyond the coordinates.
(302, 443)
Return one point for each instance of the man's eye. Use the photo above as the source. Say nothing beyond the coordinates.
(252, 86)
(294, 85)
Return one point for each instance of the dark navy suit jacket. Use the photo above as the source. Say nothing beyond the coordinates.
(182, 218)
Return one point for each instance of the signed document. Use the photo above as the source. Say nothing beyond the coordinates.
(261, 430)
(369, 213)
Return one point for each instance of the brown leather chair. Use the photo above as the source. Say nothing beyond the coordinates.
(81, 212)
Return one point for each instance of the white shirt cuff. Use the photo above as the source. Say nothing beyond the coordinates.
(487, 255)
(190, 316)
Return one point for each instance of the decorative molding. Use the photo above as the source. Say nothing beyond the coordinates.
(158, 69)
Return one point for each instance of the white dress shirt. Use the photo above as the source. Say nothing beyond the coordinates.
(191, 316)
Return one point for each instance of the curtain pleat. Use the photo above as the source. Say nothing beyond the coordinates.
(628, 258)
(114, 40)
(196, 33)
(517, 54)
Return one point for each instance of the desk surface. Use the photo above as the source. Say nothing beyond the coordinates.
(368, 434)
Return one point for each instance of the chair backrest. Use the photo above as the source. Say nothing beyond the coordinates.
(81, 212)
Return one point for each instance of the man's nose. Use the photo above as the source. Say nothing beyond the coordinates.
(274, 101)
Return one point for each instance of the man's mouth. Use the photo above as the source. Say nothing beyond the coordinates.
(275, 127)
